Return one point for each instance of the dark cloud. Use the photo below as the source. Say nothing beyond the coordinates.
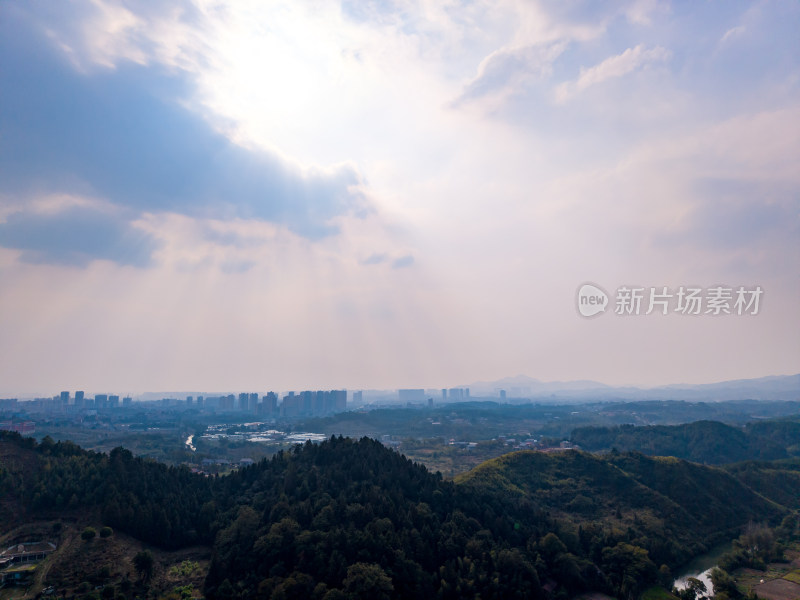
(123, 134)
(77, 236)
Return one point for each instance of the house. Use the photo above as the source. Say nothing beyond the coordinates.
(18, 575)
(27, 552)
(19, 562)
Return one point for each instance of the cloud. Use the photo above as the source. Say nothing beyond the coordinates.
(506, 69)
(126, 136)
(403, 262)
(104, 33)
(640, 12)
(735, 214)
(611, 68)
(76, 236)
(400, 262)
(237, 266)
(375, 259)
(732, 33)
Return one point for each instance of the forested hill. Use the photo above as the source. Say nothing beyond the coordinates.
(670, 507)
(349, 518)
(166, 506)
(707, 442)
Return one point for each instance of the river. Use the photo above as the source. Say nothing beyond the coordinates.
(700, 568)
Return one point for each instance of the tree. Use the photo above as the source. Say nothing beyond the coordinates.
(758, 542)
(723, 583)
(629, 568)
(367, 581)
(698, 588)
(88, 534)
(665, 577)
(551, 547)
(143, 563)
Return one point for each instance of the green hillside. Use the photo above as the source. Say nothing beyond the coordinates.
(708, 442)
(353, 519)
(673, 508)
(777, 481)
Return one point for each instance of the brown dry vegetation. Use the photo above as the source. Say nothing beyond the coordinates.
(779, 579)
(80, 569)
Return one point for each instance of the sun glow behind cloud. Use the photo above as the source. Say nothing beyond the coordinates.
(319, 194)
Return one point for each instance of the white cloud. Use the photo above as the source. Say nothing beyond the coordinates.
(499, 208)
(509, 69)
(611, 68)
(640, 12)
(732, 33)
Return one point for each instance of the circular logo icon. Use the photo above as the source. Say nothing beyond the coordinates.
(592, 300)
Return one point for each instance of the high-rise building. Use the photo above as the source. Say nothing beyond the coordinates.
(411, 395)
(307, 405)
(271, 403)
(291, 405)
(113, 401)
(79, 399)
(341, 400)
(8, 403)
(64, 398)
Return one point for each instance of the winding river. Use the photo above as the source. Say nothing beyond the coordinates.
(700, 567)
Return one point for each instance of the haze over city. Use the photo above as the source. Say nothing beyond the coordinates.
(241, 196)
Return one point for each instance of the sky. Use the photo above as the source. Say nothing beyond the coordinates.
(245, 196)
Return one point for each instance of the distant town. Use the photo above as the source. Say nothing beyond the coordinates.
(268, 406)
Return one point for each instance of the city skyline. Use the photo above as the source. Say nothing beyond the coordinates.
(517, 388)
(214, 195)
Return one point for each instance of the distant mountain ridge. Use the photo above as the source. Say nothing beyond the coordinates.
(773, 387)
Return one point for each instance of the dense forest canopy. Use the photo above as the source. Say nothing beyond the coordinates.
(708, 442)
(347, 518)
